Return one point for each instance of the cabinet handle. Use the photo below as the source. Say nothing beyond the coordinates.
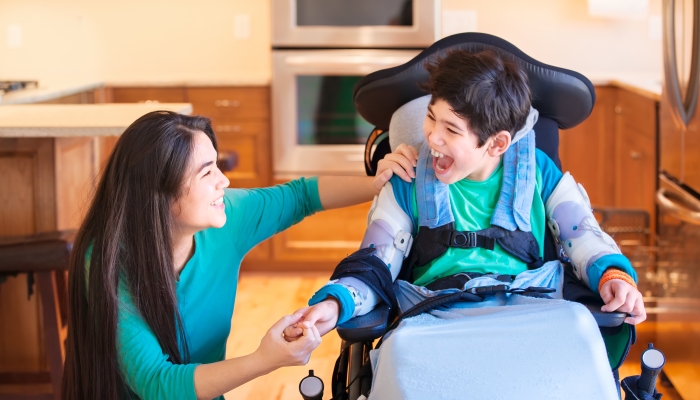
(635, 155)
(228, 128)
(227, 103)
(227, 161)
(618, 110)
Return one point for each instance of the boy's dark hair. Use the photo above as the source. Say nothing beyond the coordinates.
(492, 94)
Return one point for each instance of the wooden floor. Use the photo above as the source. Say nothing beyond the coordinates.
(263, 298)
(261, 301)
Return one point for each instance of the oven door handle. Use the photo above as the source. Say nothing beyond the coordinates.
(679, 208)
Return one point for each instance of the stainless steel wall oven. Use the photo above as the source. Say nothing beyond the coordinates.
(321, 48)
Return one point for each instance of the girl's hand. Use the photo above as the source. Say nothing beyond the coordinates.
(619, 295)
(324, 316)
(401, 162)
(278, 352)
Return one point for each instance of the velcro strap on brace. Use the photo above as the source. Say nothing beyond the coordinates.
(366, 267)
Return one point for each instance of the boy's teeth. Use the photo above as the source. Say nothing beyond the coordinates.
(436, 153)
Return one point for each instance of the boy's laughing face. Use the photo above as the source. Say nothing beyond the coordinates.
(454, 147)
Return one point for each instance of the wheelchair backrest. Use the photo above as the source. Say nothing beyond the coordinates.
(563, 98)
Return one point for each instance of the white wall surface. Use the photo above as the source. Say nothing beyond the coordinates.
(562, 33)
(158, 41)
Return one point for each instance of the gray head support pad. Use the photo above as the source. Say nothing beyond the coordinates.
(406, 125)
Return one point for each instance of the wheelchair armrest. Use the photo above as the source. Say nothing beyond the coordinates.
(365, 327)
(606, 319)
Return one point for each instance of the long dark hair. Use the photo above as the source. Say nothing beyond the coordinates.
(127, 235)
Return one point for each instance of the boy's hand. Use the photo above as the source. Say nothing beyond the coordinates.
(401, 162)
(619, 295)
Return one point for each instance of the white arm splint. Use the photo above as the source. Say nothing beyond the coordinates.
(573, 225)
(389, 230)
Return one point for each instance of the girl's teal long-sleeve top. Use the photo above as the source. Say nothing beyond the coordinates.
(206, 290)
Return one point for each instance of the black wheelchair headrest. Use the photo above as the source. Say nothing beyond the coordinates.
(564, 96)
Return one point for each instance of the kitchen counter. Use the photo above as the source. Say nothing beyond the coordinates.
(47, 91)
(647, 85)
(64, 120)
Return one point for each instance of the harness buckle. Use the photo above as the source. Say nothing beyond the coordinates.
(465, 240)
(484, 290)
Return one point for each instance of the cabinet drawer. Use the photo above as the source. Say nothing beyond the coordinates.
(231, 127)
(248, 102)
(148, 94)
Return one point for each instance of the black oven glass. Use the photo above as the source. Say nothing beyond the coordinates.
(354, 13)
(326, 113)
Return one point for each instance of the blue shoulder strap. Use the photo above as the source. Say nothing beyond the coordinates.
(432, 196)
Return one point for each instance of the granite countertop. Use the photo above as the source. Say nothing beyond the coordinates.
(50, 90)
(645, 84)
(64, 120)
(47, 91)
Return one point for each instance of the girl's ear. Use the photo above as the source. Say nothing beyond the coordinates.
(499, 143)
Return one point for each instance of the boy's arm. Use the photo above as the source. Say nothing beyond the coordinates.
(594, 255)
(569, 215)
(389, 233)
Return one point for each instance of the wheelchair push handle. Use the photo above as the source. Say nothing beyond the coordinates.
(652, 362)
(311, 387)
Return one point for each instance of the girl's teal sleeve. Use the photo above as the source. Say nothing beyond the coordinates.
(256, 214)
(144, 366)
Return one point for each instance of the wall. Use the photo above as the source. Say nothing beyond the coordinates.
(155, 41)
(125, 41)
(562, 33)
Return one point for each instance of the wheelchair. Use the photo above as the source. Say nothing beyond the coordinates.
(564, 99)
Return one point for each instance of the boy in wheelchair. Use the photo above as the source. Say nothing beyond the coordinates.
(474, 219)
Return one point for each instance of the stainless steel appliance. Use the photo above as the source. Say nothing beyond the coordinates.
(677, 257)
(316, 128)
(9, 86)
(355, 24)
(321, 48)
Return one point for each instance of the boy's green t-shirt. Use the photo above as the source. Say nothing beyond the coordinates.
(473, 204)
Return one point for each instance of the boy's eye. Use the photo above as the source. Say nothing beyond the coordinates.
(431, 117)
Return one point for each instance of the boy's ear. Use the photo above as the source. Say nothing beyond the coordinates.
(499, 143)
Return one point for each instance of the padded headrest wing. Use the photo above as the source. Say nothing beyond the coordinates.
(564, 96)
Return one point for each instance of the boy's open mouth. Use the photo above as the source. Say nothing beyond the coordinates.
(441, 162)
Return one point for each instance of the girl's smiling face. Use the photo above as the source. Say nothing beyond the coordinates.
(201, 204)
(455, 149)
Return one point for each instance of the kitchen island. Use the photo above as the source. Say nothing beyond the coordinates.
(50, 161)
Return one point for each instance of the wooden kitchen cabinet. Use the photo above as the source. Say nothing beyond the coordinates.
(587, 151)
(318, 243)
(147, 94)
(636, 166)
(240, 117)
(46, 184)
(613, 153)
